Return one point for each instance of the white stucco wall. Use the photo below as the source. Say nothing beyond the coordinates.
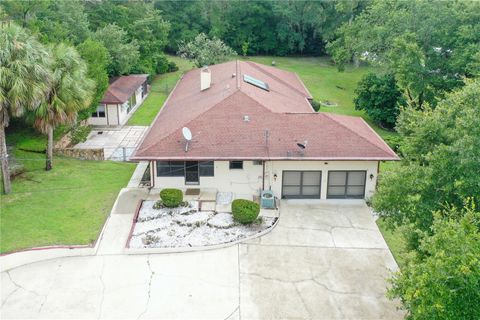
(97, 121)
(248, 181)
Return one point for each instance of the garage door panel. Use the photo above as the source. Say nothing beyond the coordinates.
(355, 191)
(311, 191)
(356, 178)
(337, 178)
(346, 184)
(291, 191)
(336, 191)
(311, 178)
(301, 184)
(292, 178)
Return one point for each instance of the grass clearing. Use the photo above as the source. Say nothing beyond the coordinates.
(326, 83)
(68, 205)
(160, 88)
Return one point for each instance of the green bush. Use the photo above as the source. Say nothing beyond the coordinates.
(245, 211)
(172, 66)
(171, 198)
(315, 105)
(80, 134)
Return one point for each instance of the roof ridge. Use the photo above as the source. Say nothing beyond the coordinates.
(356, 133)
(258, 67)
(186, 124)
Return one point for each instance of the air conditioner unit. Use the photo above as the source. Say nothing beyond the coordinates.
(267, 199)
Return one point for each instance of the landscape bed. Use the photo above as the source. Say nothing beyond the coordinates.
(186, 226)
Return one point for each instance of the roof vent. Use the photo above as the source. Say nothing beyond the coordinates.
(246, 118)
(205, 78)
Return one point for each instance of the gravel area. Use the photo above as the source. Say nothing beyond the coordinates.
(187, 227)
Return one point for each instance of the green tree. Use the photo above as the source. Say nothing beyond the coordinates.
(298, 22)
(204, 51)
(443, 282)
(380, 97)
(123, 53)
(441, 148)
(429, 46)
(96, 56)
(23, 12)
(24, 80)
(70, 91)
(62, 21)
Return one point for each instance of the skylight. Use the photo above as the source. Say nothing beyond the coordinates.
(255, 82)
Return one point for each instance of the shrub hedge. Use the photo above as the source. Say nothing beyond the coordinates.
(171, 198)
(245, 211)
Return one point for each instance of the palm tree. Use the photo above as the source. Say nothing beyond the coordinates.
(24, 79)
(70, 92)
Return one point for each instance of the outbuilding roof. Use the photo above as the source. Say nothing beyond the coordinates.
(234, 119)
(121, 88)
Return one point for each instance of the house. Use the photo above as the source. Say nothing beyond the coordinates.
(253, 128)
(123, 96)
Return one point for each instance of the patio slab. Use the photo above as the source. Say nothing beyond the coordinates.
(117, 143)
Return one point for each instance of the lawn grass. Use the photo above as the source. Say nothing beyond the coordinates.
(160, 88)
(325, 82)
(395, 242)
(67, 205)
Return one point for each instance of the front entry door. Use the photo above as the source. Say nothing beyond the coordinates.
(191, 172)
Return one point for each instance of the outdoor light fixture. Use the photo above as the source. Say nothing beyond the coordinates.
(275, 177)
(371, 176)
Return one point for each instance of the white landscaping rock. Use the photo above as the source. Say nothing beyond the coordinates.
(194, 219)
(221, 220)
(188, 227)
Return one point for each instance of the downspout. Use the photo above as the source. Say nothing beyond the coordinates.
(378, 172)
(263, 175)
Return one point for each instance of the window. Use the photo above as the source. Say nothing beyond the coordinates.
(257, 162)
(236, 164)
(170, 168)
(346, 184)
(100, 112)
(206, 169)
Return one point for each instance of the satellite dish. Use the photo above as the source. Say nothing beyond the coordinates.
(187, 134)
(302, 145)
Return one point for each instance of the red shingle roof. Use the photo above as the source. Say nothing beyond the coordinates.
(121, 88)
(216, 118)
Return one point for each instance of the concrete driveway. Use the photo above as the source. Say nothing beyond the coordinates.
(322, 261)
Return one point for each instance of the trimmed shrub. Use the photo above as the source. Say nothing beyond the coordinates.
(245, 211)
(315, 105)
(171, 198)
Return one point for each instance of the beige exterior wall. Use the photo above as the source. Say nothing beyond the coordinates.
(248, 181)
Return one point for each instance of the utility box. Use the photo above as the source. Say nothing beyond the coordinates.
(267, 199)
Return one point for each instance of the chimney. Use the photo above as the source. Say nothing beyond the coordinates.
(205, 78)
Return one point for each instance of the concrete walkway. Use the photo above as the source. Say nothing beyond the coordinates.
(323, 261)
(114, 141)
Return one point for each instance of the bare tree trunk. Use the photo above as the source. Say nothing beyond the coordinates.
(48, 165)
(7, 188)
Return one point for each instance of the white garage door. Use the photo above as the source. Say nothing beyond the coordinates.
(301, 184)
(346, 184)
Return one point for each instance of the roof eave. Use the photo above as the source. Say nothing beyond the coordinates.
(153, 158)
